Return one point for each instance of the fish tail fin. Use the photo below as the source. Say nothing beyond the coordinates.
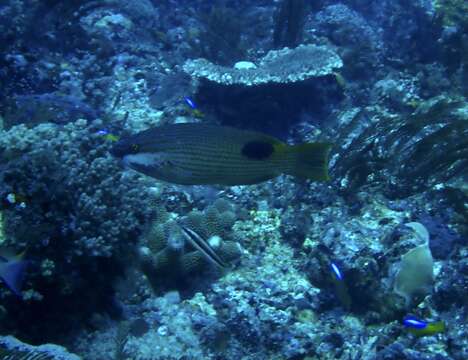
(438, 326)
(310, 161)
(12, 273)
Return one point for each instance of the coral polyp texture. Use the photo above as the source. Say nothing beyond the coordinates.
(167, 255)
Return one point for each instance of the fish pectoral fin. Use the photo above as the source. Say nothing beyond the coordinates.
(12, 273)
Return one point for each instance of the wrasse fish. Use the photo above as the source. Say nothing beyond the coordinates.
(190, 103)
(107, 135)
(203, 246)
(341, 289)
(199, 154)
(194, 110)
(420, 327)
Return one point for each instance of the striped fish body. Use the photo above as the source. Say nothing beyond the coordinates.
(196, 154)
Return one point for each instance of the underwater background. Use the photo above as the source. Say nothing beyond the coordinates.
(101, 262)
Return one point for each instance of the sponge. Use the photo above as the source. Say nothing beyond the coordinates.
(415, 275)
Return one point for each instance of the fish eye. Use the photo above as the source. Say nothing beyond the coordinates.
(134, 148)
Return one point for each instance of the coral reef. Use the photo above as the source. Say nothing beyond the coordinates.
(81, 216)
(453, 12)
(219, 40)
(168, 258)
(121, 266)
(273, 94)
(277, 67)
(359, 43)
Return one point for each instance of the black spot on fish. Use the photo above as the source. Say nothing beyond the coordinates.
(257, 150)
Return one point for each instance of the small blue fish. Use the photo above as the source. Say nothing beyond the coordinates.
(107, 135)
(336, 271)
(341, 290)
(190, 102)
(413, 322)
(12, 269)
(102, 132)
(420, 327)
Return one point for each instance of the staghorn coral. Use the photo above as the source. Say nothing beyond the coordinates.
(166, 256)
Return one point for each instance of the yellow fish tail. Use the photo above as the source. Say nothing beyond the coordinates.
(431, 329)
(309, 161)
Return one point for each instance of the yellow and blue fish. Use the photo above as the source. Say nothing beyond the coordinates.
(420, 327)
(199, 154)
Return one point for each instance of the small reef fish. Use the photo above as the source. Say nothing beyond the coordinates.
(420, 327)
(336, 271)
(341, 290)
(12, 269)
(194, 110)
(203, 246)
(196, 113)
(190, 102)
(199, 154)
(107, 135)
